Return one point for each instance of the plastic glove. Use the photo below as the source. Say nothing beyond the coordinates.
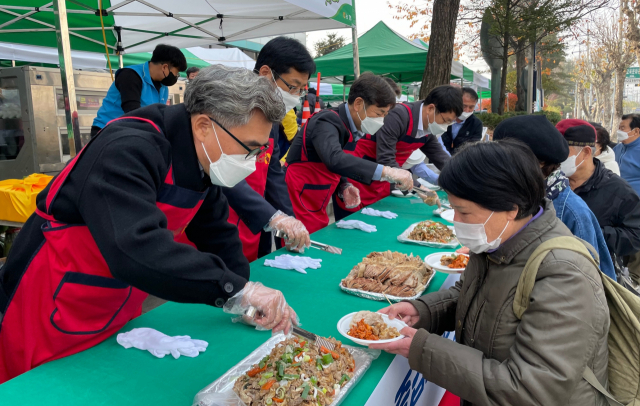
(297, 263)
(350, 194)
(422, 171)
(429, 196)
(402, 178)
(297, 234)
(273, 311)
(377, 213)
(159, 344)
(356, 225)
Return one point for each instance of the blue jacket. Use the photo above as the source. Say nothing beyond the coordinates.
(111, 105)
(578, 218)
(628, 159)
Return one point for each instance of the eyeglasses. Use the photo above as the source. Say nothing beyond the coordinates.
(252, 152)
(293, 90)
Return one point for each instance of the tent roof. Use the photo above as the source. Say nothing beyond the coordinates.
(146, 23)
(45, 56)
(382, 51)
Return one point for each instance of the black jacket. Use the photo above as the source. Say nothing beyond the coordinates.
(254, 209)
(617, 208)
(470, 131)
(113, 190)
(326, 136)
(396, 125)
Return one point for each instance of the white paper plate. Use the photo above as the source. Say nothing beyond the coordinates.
(398, 193)
(433, 261)
(447, 215)
(428, 185)
(344, 327)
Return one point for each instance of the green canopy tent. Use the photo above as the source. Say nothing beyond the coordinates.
(382, 51)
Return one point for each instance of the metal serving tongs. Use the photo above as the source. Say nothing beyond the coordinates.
(314, 244)
(319, 341)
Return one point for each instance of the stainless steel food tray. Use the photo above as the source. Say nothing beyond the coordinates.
(404, 238)
(220, 392)
(380, 297)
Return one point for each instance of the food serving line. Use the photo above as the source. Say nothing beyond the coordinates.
(107, 374)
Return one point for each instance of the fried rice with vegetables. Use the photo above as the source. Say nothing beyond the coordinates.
(431, 231)
(297, 373)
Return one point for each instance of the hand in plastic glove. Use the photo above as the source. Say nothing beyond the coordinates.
(463, 250)
(297, 234)
(350, 194)
(429, 196)
(273, 311)
(402, 178)
(160, 344)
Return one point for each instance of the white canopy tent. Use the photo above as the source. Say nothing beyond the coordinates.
(139, 25)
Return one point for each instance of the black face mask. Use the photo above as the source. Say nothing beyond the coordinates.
(169, 80)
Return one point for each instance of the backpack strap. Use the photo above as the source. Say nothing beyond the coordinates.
(528, 276)
(590, 377)
(528, 279)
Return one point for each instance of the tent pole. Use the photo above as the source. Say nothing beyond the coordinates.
(344, 89)
(356, 53)
(120, 61)
(13, 63)
(66, 73)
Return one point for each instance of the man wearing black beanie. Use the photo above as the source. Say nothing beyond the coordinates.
(613, 201)
(551, 149)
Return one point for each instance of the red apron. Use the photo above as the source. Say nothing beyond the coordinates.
(258, 182)
(310, 186)
(67, 300)
(366, 148)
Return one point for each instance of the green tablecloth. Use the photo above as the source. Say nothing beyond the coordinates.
(110, 375)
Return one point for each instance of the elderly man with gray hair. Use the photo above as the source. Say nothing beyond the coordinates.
(140, 211)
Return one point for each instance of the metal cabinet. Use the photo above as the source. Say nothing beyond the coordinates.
(33, 132)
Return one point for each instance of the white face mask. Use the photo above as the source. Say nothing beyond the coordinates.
(370, 125)
(435, 128)
(622, 135)
(474, 236)
(229, 170)
(465, 115)
(569, 166)
(290, 101)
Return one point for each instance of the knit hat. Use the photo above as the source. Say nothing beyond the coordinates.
(538, 133)
(578, 133)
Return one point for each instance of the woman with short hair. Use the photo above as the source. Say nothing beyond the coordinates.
(501, 214)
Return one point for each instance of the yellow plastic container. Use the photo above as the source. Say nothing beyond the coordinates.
(18, 196)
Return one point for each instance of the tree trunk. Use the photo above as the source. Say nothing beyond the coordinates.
(586, 115)
(521, 104)
(505, 66)
(619, 95)
(437, 71)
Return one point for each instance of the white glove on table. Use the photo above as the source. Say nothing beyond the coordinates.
(377, 213)
(295, 263)
(356, 225)
(159, 344)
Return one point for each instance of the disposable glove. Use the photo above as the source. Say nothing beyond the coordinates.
(377, 213)
(297, 234)
(428, 196)
(422, 171)
(297, 263)
(349, 194)
(401, 177)
(159, 344)
(273, 312)
(356, 225)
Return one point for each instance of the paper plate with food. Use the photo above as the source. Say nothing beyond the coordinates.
(447, 262)
(398, 193)
(430, 234)
(367, 327)
(388, 275)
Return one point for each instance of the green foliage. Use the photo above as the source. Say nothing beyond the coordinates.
(491, 120)
(329, 44)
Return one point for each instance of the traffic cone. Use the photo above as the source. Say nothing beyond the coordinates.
(317, 107)
(306, 112)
